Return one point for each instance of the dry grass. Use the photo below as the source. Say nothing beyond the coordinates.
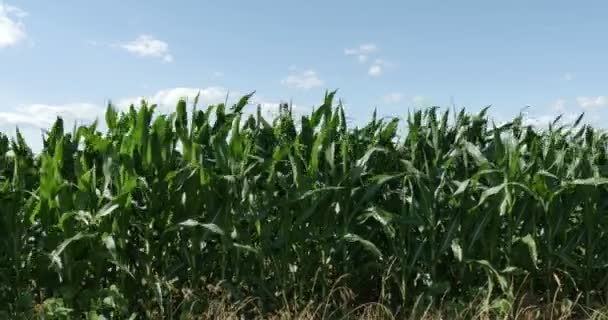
(339, 306)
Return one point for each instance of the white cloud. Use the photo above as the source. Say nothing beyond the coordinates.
(393, 97)
(167, 99)
(305, 80)
(592, 102)
(209, 95)
(33, 118)
(367, 48)
(545, 119)
(12, 29)
(12, 10)
(538, 121)
(44, 115)
(270, 109)
(375, 70)
(218, 74)
(567, 76)
(148, 46)
(362, 51)
(378, 66)
(419, 100)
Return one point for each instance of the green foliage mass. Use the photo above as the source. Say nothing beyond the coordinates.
(152, 212)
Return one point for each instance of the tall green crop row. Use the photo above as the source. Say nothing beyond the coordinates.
(150, 216)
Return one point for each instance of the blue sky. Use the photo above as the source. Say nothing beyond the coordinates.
(70, 57)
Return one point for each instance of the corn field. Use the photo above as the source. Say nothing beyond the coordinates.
(153, 215)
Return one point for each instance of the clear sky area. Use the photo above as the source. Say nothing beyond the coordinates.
(71, 57)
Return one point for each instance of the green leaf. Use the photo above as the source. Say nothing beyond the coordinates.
(110, 244)
(54, 255)
(368, 245)
(82, 216)
(462, 186)
(106, 210)
(595, 181)
(474, 152)
(246, 248)
(456, 250)
(237, 108)
(382, 216)
(490, 192)
(528, 240)
(502, 282)
(208, 226)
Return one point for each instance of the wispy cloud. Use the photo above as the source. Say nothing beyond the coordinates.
(148, 46)
(378, 67)
(43, 115)
(568, 76)
(271, 108)
(375, 70)
(12, 29)
(362, 52)
(559, 105)
(304, 80)
(419, 100)
(393, 97)
(167, 99)
(592, 102)
(33, 118)
(544, 120)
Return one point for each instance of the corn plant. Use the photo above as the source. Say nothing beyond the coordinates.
(151, 216)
